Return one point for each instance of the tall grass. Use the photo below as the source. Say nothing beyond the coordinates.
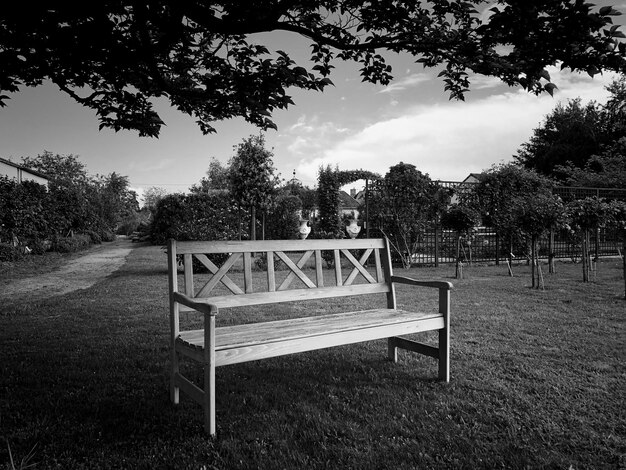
(537, 382)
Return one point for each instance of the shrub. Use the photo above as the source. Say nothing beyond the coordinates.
(107, 236)
(198, 216)
(130, 224)
(195, 217)
(9, 252)
(71, 244)
(95, 237)
(282, 219)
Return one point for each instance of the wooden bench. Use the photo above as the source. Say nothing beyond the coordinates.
(301, 277)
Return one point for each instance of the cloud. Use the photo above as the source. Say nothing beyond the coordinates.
(407, 82)
(450, 140)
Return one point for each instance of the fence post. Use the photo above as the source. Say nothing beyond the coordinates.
(497, 249)
(551, 252)
(436, 245)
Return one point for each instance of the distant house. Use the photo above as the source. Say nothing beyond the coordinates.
(348, 205)
(468, 182)
(21, 173)
(473, 178)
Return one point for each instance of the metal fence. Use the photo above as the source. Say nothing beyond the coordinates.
(435, 245)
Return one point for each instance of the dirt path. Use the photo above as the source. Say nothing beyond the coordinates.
(79, 273)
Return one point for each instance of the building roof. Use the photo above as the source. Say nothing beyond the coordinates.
(347, 202)
(23, 168)
(474, 178)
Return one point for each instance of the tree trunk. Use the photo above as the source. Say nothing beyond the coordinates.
(253, 223)
(585, 256)
(510, 257)
(624, 261)
(533, 256)
(239, 221)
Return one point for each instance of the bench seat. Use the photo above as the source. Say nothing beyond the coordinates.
(253, 341)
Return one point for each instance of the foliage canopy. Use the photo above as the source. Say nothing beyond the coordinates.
(208, 60)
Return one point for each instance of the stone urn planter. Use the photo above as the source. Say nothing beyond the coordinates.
(353, 228)
(304, 229)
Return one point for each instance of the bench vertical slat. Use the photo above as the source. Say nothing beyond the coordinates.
(188, 269)
(338, 275)
(388, 272)
(271, 274)
(379, 270)
(319, 273)
(385, 255)
(174, 319)
(247, 272)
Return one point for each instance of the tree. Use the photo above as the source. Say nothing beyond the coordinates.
(69, 191)
(329, 223)
(78, 202)
(61, 169)
(113, 200)
(406, 197)
(252, 177)
(607, 170)
(462, 219)
(282, 217)
(217, 177)
(577, 139)
(534, 214)
(585, 215)
(152, 196)
(205, 58)
(569, 136)
(497, 195)
(615, 109)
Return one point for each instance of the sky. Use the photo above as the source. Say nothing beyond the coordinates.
(352, 125)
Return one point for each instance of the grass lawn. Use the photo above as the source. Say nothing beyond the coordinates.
(537, 381)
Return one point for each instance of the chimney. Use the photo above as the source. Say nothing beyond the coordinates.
(352, 192)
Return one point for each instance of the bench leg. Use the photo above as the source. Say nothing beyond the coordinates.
(444, 355)
(174, 390)
(392, 350)
(209, 399)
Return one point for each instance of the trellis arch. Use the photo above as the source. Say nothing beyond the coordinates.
(329, 183)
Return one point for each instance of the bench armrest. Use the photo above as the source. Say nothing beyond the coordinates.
(414, 282)
(200, 306)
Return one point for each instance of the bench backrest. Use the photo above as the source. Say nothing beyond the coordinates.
(360, 266)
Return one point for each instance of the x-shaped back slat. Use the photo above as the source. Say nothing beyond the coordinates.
(219, 274)
(358, 267)
(295, 270)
